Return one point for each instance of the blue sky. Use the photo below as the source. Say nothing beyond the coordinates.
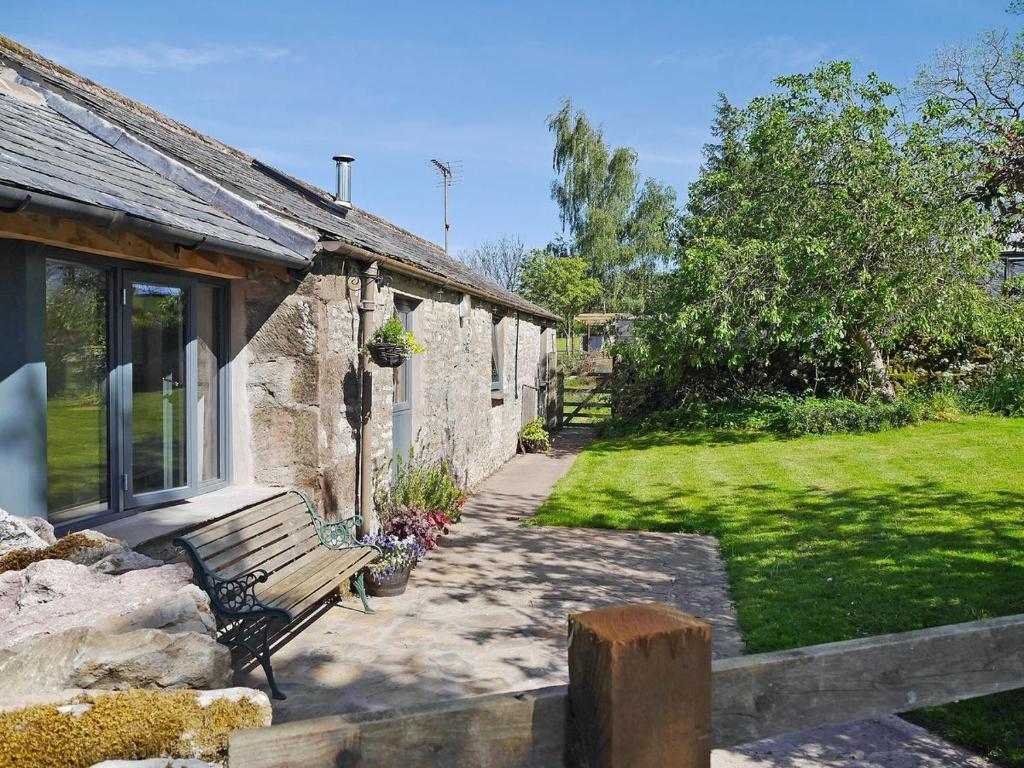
(398, 83)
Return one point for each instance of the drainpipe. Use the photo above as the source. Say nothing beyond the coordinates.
(367, 306)
(517, 357)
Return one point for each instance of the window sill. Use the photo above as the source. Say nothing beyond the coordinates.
(497, 396)
(138, 527)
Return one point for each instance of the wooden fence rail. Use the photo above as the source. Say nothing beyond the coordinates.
(642, 687)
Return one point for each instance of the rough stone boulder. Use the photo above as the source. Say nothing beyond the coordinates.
(157, 762)
(64, 626)
(52, 596)
(122, 562)
(90, 658)
(19, 533)
(41, 528)
(94, 546)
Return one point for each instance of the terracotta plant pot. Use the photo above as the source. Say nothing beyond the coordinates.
(387, 586)
(388, 355)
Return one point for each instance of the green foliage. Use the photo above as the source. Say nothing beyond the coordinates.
(621, 227)
(822, 229)
(392, 331)
(1001, 391)
(783, 414)
(976, 95)
(534, 437)
(420, 485)
(559, 283)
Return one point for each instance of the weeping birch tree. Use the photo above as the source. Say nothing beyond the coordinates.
(620, 225)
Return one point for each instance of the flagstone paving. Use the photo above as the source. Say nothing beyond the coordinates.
(487, 613)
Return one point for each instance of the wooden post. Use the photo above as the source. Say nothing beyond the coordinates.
(639, 688)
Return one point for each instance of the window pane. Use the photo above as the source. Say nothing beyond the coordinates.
(495, 355)
(402, 372)
(76, 390)
(158, 387)
(208, 378)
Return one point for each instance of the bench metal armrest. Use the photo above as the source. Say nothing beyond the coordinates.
(341, 534)
(229, 598)
(238, 595)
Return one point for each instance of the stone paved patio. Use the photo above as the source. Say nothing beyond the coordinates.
(487, 613)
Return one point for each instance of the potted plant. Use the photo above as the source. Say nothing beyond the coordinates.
(392, 344)
(389, 574)
(534, 437)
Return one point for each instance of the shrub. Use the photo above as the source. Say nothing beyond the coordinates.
(420, 485)
(534, 437)
(416, 525)
(829, 416)
(783, 414)
(1000, 391)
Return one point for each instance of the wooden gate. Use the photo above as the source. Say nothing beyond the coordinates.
(643, 693)
(585, 399)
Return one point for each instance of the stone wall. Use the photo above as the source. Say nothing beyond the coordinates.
(296, 384)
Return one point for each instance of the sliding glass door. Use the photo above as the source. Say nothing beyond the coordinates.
(155, 369)
(135, 388)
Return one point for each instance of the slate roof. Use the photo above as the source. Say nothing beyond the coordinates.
(273, 190)
(42, 151)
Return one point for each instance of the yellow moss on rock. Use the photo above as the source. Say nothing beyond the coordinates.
(128, 725)
(62, 550)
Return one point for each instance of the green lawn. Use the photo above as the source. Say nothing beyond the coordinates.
(837, 537)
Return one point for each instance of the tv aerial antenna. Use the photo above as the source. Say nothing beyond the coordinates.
(451, 173)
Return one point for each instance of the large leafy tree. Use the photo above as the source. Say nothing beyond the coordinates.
(824, 225)
(620, 226)
(976, 93)
(561, 284)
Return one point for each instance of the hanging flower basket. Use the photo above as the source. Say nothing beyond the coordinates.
(388, 355)
(392, 344)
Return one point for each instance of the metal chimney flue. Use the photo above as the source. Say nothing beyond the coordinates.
(343, 193)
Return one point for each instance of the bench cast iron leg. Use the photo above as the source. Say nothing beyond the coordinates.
(361, 590)
(264, 658)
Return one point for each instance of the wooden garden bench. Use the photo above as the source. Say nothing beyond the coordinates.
(267, 564)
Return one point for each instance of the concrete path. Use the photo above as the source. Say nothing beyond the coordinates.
(487, 613)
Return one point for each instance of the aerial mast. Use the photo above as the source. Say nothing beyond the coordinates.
(447, 179)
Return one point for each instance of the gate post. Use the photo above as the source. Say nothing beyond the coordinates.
(560, 398)
(639, 688)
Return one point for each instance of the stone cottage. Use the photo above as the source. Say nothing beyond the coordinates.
(182, 323)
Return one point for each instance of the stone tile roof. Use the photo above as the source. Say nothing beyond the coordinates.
(42, 151)
(243, 175)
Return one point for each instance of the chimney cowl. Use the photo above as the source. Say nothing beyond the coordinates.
(343, 190)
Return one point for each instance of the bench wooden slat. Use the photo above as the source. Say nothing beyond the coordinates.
(208, 532)
(245, 533)
(317, 595)
(304, 574)
(313, 564)
(271, 559)
(286, 533)
(240, 520)
(321, 583)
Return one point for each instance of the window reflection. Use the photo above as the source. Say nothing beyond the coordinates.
(76, 390)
